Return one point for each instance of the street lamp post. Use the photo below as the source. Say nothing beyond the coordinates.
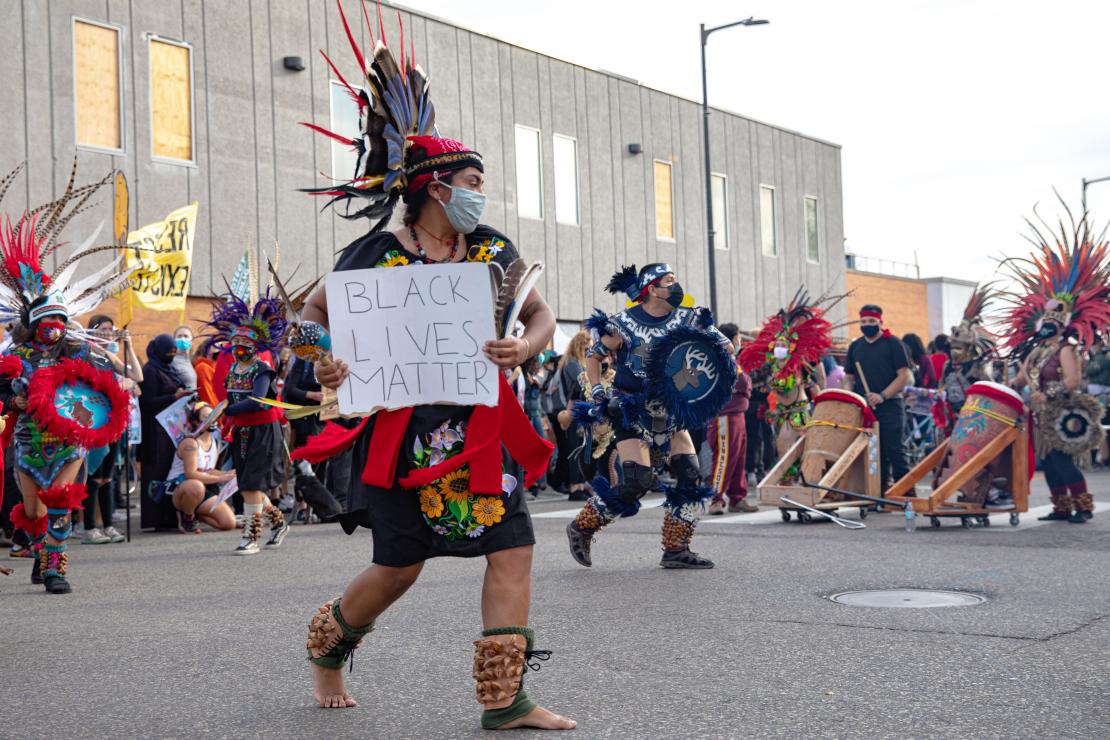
(750, 21)
(1086, 182)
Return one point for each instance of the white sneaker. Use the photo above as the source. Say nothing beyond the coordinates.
(247, 547)
(95, 536)
(113, 534)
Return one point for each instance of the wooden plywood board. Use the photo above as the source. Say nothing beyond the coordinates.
(171, 100)
(96, 85)
(664, 202)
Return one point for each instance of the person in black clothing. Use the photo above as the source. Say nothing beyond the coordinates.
(161, 386)
(886, 372)
(761, 453)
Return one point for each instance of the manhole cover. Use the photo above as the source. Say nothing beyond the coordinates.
(907, 598)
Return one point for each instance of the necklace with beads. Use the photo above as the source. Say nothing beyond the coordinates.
(420, 249)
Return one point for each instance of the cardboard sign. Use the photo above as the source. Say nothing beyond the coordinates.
(413, 336)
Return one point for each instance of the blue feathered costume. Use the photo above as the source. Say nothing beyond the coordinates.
(643, 406)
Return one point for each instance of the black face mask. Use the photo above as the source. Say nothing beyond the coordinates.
(870, 331)
(1047, 330)
(676, 295)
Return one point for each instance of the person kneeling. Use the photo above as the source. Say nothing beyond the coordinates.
(195, 482)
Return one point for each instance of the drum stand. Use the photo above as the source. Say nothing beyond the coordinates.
(936, 505)
(857, 469)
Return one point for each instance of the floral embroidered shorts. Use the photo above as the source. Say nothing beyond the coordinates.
(441, 519)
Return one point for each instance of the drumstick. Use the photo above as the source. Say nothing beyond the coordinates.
(862, 378)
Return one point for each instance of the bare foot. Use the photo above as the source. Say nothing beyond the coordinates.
(328, 688)
(542, 719)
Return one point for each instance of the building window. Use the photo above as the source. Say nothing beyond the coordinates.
(664, 206)
(720, 211)
(344, 121)
(813, 254)
(767, 220)
(529, 173)
(566, 179)
(97, 75)
(171, 100)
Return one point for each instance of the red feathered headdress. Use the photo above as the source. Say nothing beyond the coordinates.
(807, 332)
(1066, 280)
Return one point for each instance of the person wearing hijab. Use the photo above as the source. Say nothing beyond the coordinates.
(161, 386)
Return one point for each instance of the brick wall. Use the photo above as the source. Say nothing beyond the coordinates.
(905, 301)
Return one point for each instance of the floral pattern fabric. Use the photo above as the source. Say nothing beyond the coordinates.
(447, 504)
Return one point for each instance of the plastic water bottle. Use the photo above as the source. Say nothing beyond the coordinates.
(911, 518)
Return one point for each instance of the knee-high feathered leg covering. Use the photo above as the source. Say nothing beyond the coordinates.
(681, 510)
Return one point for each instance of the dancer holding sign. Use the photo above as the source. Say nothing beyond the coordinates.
(429, 480)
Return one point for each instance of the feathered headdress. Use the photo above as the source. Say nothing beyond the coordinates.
(264, 324)
(970, 341)
(399, 150)
(1066, 280)
(632, 283)
(804, 327)
(28, 292)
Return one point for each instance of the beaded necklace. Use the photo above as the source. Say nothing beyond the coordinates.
(424, 255)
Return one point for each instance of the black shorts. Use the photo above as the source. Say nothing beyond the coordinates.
(258, 455)
(402, 537)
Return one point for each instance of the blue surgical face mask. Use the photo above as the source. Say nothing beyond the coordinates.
(183, 344)
(464, 210)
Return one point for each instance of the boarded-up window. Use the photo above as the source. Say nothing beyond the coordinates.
(96, 85)
(813, 251)
(171, 100)
(664, 207)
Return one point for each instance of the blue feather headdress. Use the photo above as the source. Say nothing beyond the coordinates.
(633, 283)
(264, 324)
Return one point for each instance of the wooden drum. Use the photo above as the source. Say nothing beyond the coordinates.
(990, 409)
(838, 417)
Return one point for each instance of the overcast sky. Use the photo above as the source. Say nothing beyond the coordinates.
(955, 116)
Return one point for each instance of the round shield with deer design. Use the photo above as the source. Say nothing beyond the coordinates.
(690, 374)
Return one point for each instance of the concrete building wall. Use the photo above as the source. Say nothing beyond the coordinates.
(947, 300)
(251, 156)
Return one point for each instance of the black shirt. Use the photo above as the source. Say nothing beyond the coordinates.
(881, 360)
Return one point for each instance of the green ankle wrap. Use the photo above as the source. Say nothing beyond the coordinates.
(522, 705)
(494, 718)
(527, 632)
(348, 641)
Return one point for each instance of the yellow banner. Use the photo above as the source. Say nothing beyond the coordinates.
(163, 253)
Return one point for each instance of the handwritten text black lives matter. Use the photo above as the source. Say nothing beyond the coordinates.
(413, 335)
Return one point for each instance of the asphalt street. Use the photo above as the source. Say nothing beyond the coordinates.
(173, 636)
